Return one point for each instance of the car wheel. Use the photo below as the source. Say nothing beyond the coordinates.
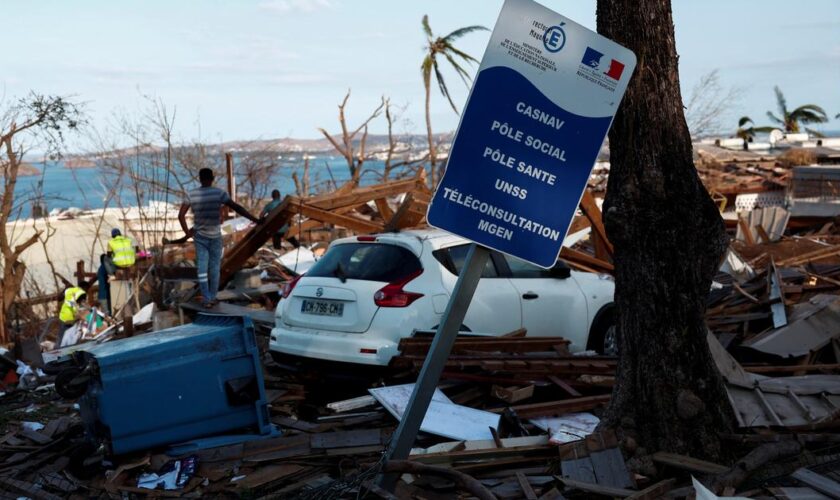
(603, 338)
(610, 347)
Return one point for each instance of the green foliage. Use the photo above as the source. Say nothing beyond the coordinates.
(442, 47)
(790, 120)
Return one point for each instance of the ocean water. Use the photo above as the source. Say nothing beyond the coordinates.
(87, 188)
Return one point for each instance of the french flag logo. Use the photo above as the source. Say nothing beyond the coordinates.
(615, 71)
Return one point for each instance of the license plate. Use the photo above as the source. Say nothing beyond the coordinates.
(322, 307)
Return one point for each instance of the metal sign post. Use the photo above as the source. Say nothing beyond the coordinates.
(436, 358)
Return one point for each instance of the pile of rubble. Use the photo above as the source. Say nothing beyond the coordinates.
(513, 416)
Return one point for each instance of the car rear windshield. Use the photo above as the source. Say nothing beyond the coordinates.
(366, 261)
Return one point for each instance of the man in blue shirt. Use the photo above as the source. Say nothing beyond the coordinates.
(206, 203)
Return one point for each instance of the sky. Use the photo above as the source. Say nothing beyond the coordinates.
(259, 69)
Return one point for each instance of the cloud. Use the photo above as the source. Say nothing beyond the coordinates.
(294, 6)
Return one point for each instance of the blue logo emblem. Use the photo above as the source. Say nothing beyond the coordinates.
(592, 58)
(554, 38)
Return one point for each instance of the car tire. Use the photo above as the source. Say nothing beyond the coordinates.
(603, 338)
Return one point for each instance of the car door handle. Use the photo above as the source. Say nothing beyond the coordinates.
(530, 296)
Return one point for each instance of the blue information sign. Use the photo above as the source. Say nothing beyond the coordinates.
(539, 110)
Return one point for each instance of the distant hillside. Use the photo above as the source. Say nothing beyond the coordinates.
(375, 143)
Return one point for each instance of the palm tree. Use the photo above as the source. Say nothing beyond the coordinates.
(790, 120)
(442, 46)
(748, 133)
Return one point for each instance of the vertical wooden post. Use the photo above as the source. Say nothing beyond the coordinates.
(3, 337)
(231, 182)
(128, 323)
(80, 271)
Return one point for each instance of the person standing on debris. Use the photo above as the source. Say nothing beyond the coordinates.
(277, 238)
(121, 251)
(271, 205)
(73, 307)
(206, 203)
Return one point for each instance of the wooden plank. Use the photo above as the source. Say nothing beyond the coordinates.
(595, 488)
(565, 386)
(35, 436)
(260, 316)
(346, 439)
(818, 482)
(353, 223)
(235, 258)
(590, 209)
(383, 208)
(572, 255)
(687, 463)
(396, 221)
(267, 475)
(352, 404)
(762, 234)
(610, 469)
(25, 488)
(745, 231)
(553, 408)
(525, 486)
(552, 494)
(512, 394)
(832, 367)
(654, 491)
(362, 195)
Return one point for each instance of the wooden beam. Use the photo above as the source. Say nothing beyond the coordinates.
(593, 213)
(384, 210)
(362, 195)
(354, 223)
(553, 408)
(654, 491)
(689, 464)
(395, 222)
(235, 258)
(745, 230)
(596, 488)
(585, 259)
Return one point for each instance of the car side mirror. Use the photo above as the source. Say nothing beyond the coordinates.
(560, 270)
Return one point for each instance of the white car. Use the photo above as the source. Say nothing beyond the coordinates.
(367, 292)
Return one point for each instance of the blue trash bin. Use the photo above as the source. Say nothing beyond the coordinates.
(175, 385)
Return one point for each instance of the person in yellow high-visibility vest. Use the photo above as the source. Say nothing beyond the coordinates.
(72, 308)
(121, 251)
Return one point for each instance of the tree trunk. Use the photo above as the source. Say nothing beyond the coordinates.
(429, 135)
(669, 239)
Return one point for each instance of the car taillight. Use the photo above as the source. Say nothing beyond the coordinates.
(393, 295)
(289, 286)
(365, 238)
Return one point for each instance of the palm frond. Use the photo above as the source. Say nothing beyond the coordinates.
(765, 130)
(775, 119)
(442, 86)
(809, 113)
(463, 31)
(744, 120)
(781, 102)
(465, 77)
(426, 28)
(426, 68)
(462, 55)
